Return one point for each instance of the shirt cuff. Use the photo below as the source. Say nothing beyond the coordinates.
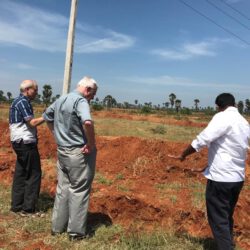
(195, 145)
(47, 118)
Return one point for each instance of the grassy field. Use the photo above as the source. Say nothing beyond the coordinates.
(144, 129)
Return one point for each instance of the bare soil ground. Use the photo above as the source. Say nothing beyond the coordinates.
(138, 186)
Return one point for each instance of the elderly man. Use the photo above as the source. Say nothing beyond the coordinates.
(227, 138)
(70, 120)
(23, 135)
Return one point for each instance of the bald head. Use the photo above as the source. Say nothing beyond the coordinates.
(29, 88)
(27, 84)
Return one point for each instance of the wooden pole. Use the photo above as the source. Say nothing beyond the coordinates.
(70, 48)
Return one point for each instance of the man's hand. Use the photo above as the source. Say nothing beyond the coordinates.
(177, 157)
(90, 134)
(188, 151)
(87, 148)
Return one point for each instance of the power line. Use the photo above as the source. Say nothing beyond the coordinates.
(225, 13)
(211, 20)
(230, 6)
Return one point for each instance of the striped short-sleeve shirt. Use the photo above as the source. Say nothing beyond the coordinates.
(21, 111)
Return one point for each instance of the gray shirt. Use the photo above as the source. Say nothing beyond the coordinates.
(69, 113)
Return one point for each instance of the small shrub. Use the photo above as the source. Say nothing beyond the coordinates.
(185, 111)
(103, 180)
(146, 110)
(97, 107)
(119, 176)
(159, 130)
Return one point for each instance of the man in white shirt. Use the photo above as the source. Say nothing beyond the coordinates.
(227, 138)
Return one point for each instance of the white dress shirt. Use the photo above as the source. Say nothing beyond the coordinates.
(227, 138)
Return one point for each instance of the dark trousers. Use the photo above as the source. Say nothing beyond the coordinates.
(221, 198)
(27, 178)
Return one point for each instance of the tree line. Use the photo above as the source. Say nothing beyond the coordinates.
(108, 102)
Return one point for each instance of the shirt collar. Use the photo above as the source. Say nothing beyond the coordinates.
(231, 108)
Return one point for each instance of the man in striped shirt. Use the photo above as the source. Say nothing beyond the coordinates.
(23, 136)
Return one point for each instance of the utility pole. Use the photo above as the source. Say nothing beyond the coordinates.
(70, 48)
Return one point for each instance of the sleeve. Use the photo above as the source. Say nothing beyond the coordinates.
(25, 109)
(83, 110)
(216, 128)
(49, 113)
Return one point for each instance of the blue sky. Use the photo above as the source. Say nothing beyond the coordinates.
(136, 49)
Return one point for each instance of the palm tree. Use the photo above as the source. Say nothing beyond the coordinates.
(9, 95)
(196, 102)
(177, 105)
(166, 104)
(109, 101)
(2, 97)
(47, 93)
(172, 98)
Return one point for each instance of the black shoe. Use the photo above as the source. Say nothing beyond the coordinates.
(76, 237)
(55, 233)
(15, 210)
(32, 215)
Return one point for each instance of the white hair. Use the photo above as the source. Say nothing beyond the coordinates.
(87, 81)
(27, 84)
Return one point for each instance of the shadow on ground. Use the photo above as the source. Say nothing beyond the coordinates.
(96, 220)
(45, 202)
(207, 243)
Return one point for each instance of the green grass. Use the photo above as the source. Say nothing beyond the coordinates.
(144, 129)
(99, 178)
(170, 186)
(196, 190)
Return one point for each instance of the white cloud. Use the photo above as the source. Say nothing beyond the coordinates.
(190, 50)
(199, 49)
(42, 30)
(24, 66)
(109, 41)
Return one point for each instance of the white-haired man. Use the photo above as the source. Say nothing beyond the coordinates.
(70, 120)
(23, 136)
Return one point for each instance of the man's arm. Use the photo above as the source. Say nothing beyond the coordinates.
(89, 130)
(188, 151)
(34, 122)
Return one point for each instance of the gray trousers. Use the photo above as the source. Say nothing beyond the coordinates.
(75, 175)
